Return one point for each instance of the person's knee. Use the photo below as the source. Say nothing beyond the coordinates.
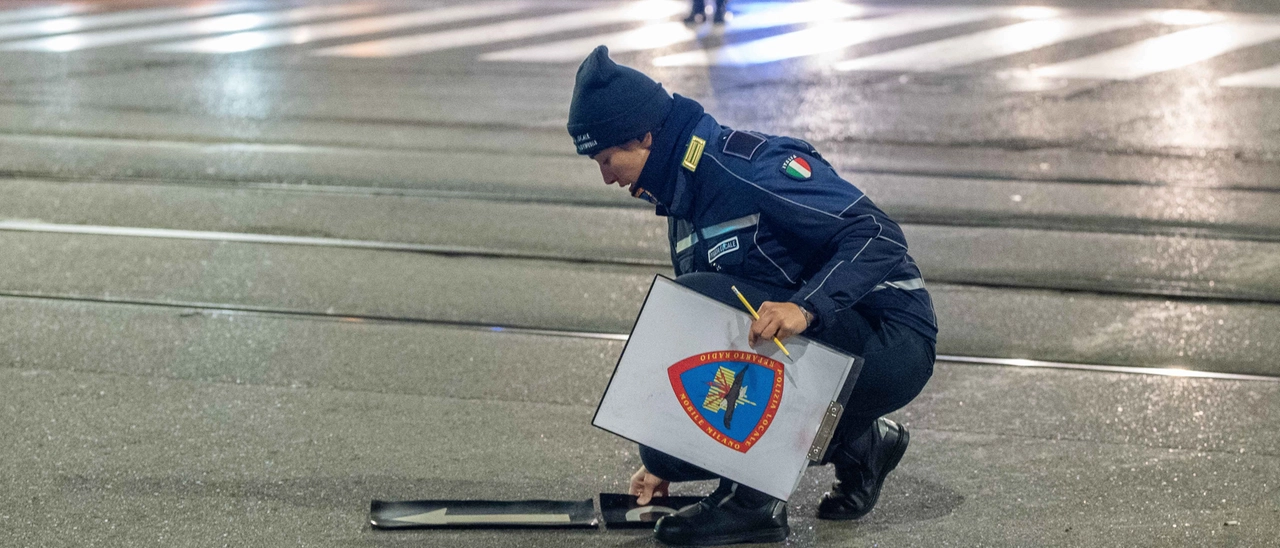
(916, 373)
(891, 378)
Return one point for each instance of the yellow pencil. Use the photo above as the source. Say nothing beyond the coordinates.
(752, 310)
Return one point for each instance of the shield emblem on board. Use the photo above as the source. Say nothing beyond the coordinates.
(731, 395)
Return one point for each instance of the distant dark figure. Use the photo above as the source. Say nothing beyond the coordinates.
(699, 12)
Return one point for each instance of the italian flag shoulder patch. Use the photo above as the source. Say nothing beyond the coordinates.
(797, 168)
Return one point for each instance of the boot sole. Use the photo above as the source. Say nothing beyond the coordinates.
(769, 535)
(899, 449)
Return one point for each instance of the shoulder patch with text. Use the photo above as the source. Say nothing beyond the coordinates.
(797, 168)
(727, 246)
(693, 154)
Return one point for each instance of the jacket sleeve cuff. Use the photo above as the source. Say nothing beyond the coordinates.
(822, 316)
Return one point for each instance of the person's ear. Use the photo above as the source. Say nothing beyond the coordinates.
(647, 141)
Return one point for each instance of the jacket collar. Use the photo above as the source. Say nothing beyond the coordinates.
(659, 180)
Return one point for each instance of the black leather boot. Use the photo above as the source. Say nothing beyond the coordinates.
(698, 14)
(732, 514)
(861, 466)
(718, 18)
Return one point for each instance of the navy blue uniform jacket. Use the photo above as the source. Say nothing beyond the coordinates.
(735, 210)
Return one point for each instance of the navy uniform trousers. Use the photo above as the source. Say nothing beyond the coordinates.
(898, 363)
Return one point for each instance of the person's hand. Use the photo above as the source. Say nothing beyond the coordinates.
(779, 320)
(645, 486)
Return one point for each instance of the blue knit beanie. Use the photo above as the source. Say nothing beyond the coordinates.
(613, 104)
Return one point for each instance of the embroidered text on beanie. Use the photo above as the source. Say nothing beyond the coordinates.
(613, 104)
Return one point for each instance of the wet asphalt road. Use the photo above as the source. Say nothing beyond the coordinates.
(245, 293)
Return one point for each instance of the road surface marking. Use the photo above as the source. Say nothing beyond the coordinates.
(63, 10)
(1262, 78)
(644, 38)
(63, 25)
(645, 10)
(824, 38)
(210, 25)
(256, 40)
(1163, 53)
(666, 34)
(991, 44)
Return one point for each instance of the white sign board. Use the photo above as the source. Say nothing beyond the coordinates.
(689, 385)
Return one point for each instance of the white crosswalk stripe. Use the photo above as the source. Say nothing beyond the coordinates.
(660, 35)
(1262, 78)
(304, 34)
(64, 24)
(1164, 53)
(646, 10)
(825, 38)
(61, 10)
(644, 38)
(991, 44)
(211, 25)
(767, 15)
